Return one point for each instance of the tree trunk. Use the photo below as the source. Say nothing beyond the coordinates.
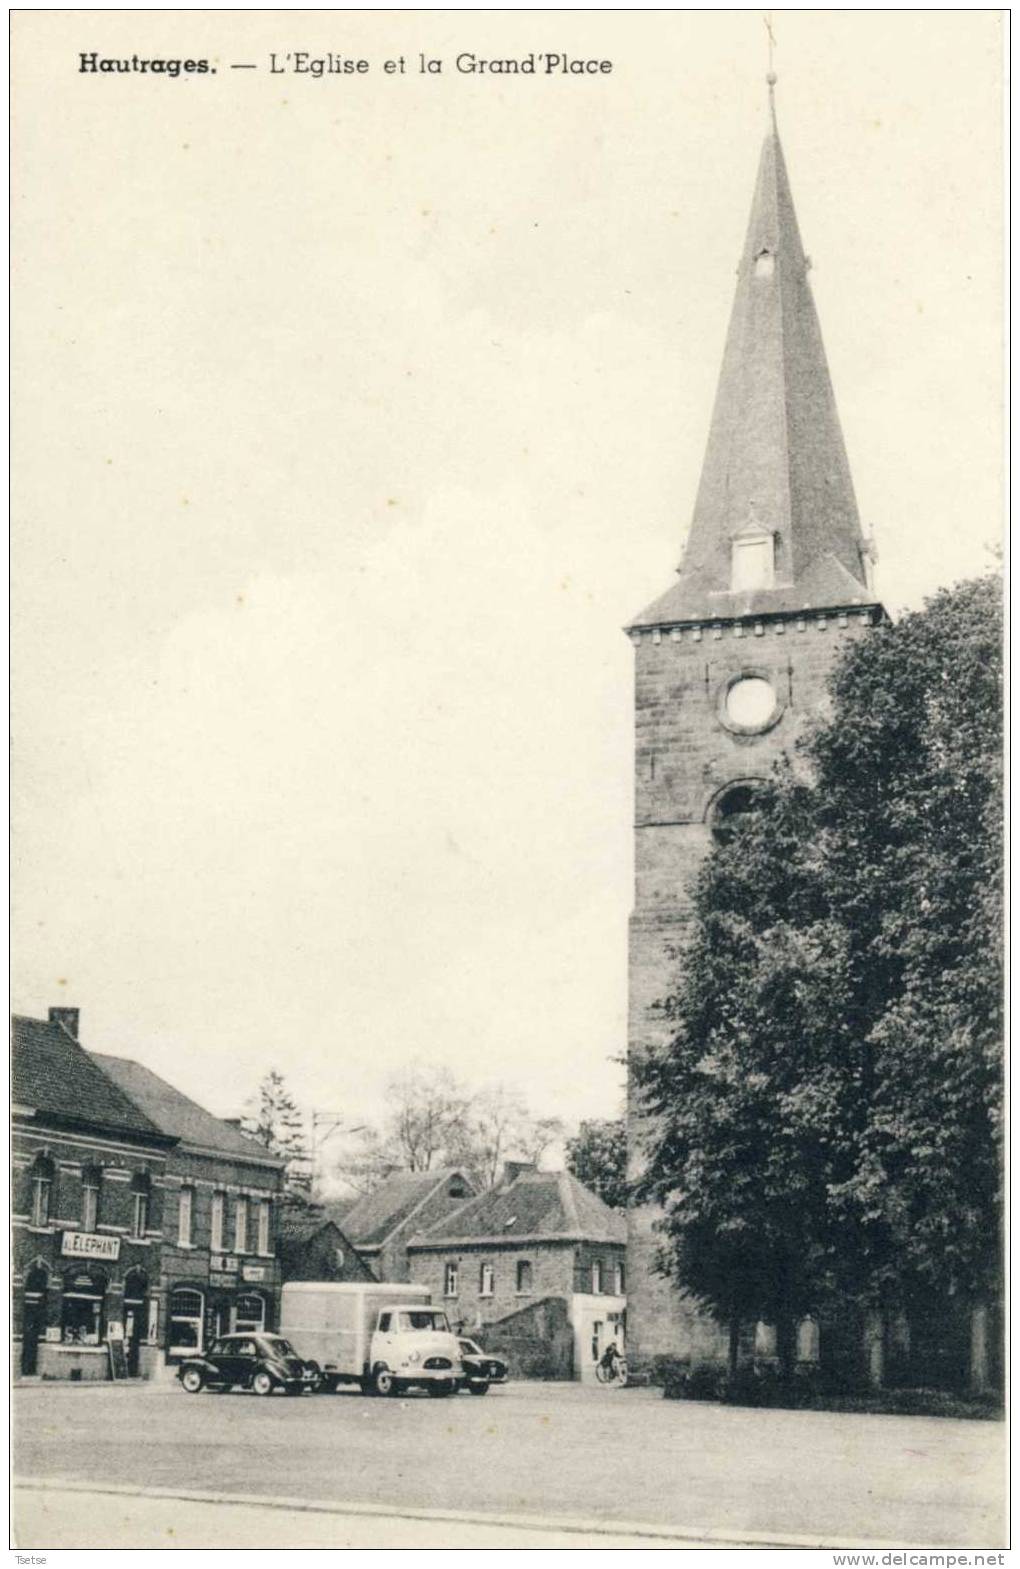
(734, 1345)
(980, 1380)
(874, 1348)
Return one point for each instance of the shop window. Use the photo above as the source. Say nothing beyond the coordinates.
(486, 1280)
(264, 1226)
(596, 1277)
(523, 1277)
(140, 1195)
(184, 1333)
(241, 1226)
(451, 1278)
(185, 1212)
(82, 1309)
(91, 1188)
(216, 1219)
(621, 1280)
(42, 1191)
(249, 1314)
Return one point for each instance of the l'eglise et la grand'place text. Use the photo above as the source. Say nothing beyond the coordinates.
(302, 62)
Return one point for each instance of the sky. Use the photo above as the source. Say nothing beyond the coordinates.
(355, 417)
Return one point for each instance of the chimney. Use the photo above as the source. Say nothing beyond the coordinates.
(512, 1169)
(67, 1018)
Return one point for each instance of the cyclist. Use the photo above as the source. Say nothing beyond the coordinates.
(609, 1358)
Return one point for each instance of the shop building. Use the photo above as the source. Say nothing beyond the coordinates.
(88, 1188)
(219, 1267)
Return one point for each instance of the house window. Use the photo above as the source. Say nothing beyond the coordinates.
(596, 1277)
(249, 1314)
(216, 1217)
(486, 1280)
(42, 1191)
(241, 1226)
(753, 562)
(264, 1226)
(451, 1278)
(90, 1185)
(185, 1322)
(185, 1207)
(139, 1205)
(621, 1280)
(523, 1277)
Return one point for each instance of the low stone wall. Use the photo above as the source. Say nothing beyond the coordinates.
(537, 1341)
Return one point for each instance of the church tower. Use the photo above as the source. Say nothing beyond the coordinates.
(730, 661)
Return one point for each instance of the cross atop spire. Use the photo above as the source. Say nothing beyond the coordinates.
(775, 525)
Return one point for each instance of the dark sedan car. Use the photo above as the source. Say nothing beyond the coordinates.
(481, 1368)
(262, 1363)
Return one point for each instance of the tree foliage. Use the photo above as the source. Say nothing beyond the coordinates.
(276, 1121)
(830, 1106)
(597, 1156)
(434, 1120)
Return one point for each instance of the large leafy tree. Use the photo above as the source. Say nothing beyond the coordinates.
(828, 1112)
(597, 1156)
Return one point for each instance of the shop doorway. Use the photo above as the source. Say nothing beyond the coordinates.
(136, 1318)
(83, 1309)
(33, 1322)
(185, 1321)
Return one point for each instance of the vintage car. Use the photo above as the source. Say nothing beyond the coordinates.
(260, 1362)
(481, 1368)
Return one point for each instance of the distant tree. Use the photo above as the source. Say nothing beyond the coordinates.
(829, 1109)
(275, 1120)
(434, 1120)
(597, 1156)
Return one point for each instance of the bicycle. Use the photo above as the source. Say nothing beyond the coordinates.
(614, 1373)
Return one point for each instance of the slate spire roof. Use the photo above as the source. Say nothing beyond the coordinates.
(775, 459)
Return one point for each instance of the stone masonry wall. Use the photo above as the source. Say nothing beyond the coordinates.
(685, 756)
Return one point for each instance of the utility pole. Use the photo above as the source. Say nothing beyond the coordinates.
(324, 1125)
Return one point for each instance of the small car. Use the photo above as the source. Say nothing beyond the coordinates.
(261, 1362)
(481, 1368)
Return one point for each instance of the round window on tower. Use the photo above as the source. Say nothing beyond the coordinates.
(749, 703)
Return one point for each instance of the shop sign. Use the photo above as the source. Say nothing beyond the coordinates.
(218, 1278)
(53, 1332)
(86, 1244)
(223, 1262)
(253, 1272)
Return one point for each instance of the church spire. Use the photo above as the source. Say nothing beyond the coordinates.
(775, 525)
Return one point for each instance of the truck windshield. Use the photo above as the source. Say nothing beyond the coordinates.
(427, 1318)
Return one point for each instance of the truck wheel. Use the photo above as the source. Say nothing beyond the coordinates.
(479, 1389)
(383, 1382)
(262, 1383)
(192, 1380)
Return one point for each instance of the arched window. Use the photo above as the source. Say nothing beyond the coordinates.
(523, 1277)
(91, 1196)
(596, 1277)
(184, 1327)
(42, 1190)
(451, 1278)
(486, 1280)
(730, 806)
(249, 1314)
(621, 1279)
(141, 1192)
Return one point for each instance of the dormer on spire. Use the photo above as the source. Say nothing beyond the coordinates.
(775, 455)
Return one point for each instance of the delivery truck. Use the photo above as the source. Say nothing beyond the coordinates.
(384, 1336)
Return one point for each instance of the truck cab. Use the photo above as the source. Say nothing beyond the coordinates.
(413, 1345)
